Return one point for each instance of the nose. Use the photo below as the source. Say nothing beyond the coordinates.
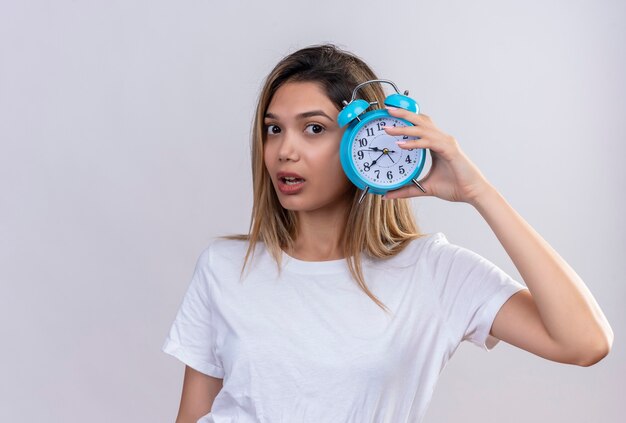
(288, 149)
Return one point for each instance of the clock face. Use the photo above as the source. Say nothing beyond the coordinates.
(377, 157)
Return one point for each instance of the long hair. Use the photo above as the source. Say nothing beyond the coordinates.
(378, 228)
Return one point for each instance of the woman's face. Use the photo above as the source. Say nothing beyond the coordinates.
(303, 137)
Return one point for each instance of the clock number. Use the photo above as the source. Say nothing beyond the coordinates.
(381, 125)
(401, 170)
(377, 173)
(389, 175)
(366, 166)
(360, 155)
(370, 132)
(363, 142)
(408, 159)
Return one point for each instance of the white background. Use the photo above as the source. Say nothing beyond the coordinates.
(124, 130)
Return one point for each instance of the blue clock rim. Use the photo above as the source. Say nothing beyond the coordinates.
(346, 143)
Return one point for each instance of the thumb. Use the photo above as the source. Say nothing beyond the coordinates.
(409, 190)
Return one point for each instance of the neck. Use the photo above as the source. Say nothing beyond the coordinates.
(319, 234)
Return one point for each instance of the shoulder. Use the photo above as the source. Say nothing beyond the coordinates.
(438, 246)
(428, 245)
(218, 246)
(222, 251)
(452, 265)
(436, 252)
(455, 260)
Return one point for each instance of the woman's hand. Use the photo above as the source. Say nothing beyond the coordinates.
(452, 176)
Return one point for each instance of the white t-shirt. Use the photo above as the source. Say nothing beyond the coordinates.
(311, 346)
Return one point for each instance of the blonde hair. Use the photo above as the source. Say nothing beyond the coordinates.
(378, 228)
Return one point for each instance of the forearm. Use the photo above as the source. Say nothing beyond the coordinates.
(568, 310)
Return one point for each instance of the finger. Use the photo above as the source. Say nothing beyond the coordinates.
(444, 146)
(419, 143)
(415, 131)
(414, 118)
(407, 191)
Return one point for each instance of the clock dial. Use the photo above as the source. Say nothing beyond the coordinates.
(378, 158)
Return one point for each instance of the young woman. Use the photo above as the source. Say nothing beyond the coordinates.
(348, 313)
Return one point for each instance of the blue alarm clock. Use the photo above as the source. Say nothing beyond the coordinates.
(370, 157)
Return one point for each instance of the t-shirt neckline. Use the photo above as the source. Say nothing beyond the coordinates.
(313, 267)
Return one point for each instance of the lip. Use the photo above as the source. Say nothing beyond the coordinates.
(283, 174)
(289, 189)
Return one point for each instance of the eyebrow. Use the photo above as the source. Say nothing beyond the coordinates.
(303, 115)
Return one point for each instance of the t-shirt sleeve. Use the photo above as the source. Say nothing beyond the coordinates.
(473, 291)
(192, 335)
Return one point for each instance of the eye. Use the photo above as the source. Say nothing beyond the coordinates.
(317, 128)
(271, 129)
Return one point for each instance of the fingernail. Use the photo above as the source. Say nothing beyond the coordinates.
(400, 142)
(393, 109)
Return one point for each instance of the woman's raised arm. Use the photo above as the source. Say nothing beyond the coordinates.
(559, 319)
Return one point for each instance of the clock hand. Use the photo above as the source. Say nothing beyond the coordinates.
(382, 154)
(374, 162)
(377, 149)
(370, 149)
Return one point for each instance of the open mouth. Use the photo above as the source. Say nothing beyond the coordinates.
(292, 181)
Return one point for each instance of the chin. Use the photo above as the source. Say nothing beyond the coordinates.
(290, 202)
